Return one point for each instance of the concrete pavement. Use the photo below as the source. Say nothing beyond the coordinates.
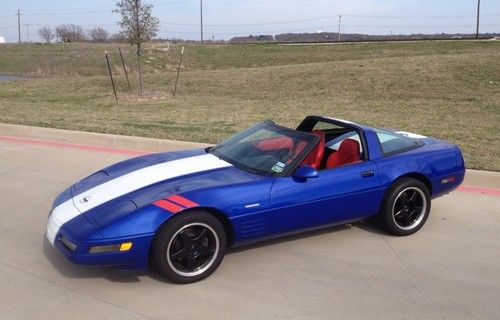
(448, 270)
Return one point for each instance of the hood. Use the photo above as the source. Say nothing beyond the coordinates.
(124, 191)
(201, 187)
(119, 190)
(124, 167)
(136, 174)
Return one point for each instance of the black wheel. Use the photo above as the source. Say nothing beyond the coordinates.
(190, 247)
(406, 207)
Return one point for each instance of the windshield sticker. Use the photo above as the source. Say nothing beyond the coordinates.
(277, 168)
(280, 164)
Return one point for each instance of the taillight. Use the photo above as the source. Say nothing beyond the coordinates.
(448, 180)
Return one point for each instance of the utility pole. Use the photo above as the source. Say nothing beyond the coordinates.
(201, 21)
(27, 32)
(19, 24)
(340, 19)
(477, 25)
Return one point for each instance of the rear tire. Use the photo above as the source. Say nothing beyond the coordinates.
(406, 207)
(190, 247)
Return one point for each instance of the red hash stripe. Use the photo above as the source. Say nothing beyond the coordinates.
(182, 201)
(167, 205)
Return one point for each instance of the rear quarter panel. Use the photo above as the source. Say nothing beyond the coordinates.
(436, 160)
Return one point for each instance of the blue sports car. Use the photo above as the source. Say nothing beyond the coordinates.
(181, 210)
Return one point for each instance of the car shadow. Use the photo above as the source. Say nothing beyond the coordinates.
(372, 227)
(288, 238)
(116, 274)
(364, 225)
(70, 270)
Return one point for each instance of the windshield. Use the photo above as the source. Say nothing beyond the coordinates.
(266, 149)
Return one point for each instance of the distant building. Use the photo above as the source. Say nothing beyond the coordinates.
(2, 39)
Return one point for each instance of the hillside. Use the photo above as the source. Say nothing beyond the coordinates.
(450, 90)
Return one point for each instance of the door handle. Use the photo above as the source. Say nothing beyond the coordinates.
(367, 173)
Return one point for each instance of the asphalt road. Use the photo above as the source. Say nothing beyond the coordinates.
(448, 270)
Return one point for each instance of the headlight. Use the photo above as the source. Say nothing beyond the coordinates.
(70, 245)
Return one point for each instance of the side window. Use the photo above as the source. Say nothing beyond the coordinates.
(343, 145)
(335, 134)
(334, 143)
(392, 143)
(325, 126)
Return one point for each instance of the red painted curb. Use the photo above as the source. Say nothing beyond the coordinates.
(53, 144)
(479, 190)
(62, 145)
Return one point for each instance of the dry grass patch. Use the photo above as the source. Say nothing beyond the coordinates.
(449, 91)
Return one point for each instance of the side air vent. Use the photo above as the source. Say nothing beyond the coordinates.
(253, 227)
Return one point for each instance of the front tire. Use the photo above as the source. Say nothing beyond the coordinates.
(406, 207)
(190, 247)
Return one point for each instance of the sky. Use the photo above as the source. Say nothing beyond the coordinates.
(224, 19)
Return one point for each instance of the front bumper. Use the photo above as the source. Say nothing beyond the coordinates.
(78, 251)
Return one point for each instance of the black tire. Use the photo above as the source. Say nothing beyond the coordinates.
(405, 207)
(190, 247)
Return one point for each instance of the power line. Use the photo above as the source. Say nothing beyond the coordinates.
(85, 11)
(67, 13)
(302, 30)
(274, 22)
(253, 24)
(94, 10)
(309, 19)
(409, 17)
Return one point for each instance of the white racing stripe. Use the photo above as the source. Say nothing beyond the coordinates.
(127, 183)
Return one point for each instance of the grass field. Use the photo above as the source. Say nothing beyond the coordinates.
(449, 90)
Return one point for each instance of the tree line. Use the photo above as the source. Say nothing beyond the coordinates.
(76, 33)
(333, 37)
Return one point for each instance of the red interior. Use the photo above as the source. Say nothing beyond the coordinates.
(348, 153)
(275, 144)
(314, 158)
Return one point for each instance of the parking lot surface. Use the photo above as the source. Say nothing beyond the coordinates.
(448, 270)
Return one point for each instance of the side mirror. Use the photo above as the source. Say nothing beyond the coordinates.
(305, 172)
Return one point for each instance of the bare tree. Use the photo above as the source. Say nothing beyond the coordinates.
(46, 34)
(138, 26)
(98, 35)
(70, 33)
(118, 37)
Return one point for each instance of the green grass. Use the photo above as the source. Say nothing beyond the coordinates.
(449, 90)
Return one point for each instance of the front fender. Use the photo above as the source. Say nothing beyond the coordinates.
(145, 220)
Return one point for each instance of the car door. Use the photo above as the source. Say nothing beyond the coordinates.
(337, 195)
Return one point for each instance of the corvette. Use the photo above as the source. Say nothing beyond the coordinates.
(182, 210)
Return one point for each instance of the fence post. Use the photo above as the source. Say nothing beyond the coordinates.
(178, 71)
(111, 74)
(125, 69)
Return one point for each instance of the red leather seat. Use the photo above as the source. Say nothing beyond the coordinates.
(348, 153)
(316, 156)
(275, 144)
